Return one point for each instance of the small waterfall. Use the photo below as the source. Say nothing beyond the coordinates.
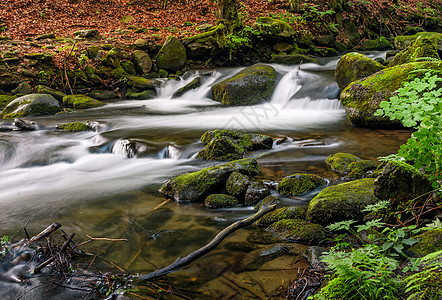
(287, 87)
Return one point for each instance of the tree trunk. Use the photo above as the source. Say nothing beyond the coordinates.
(228, 12)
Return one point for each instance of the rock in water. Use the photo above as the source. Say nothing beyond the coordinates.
(32, 104)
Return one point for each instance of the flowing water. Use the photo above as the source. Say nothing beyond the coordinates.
(105, 182)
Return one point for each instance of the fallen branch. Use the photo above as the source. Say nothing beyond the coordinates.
(50, 229)
(52, 259)
(91, 239)
(184, 261)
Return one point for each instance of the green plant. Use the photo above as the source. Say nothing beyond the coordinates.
(4, 242)
(418, 105)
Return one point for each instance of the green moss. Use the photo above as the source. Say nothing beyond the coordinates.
(273, 27)
(291, 212)
(172, 55)
(217, 30)
(39, 56)
(237, 184)
(197, 185)
(340, 162)
(220, 200)
(342, 202)
(421, 47)
(358, 169)
(141, 84)
(429, 242)
(41, 89)
(129, 67)
(269, 200)
(298, 184)
(5, 100)
(403, 42)
(80, 102)
(221, 149)
(248, 141)
(144, 95)
(32, 104)
(295, 230)
(378, 44)
(74, 127)
(118, 73)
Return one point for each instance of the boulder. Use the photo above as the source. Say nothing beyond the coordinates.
(25, 125)
(291, 212)
(172, 56)
(353, 66)
(87, 33)
(378, 44)
(400, 182)
(402, 42)
(340, 162)
(73, 127)
(274, 28)
(32, 104)
(196, 186)
(269, 200)
(422, 47)
(140, 84)
(5, 100)
(202, 48)
(144, 95)
(194, 84)
(298, 184)
(80, 102)
(429, 242)
(295, 230)
(220, 200)
(237, 184)
(255, 192)
(42, 89)
(248, 141)
(253, 85)
(359, 169)
(23, 88)
(342, 202)
(142, 61)
(103, 94)
(221, 149)
(362, 97)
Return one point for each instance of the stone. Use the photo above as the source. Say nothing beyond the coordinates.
(252, 85)
(290, 212)
(140, 84)
(221, 149)
(313, 255)
(197, 185)
(429, 242)
(80, 102)
(274, 28)
(402, 42)
(24, 125)
(340, 202)
(298, 184)
(378, 44)
(282, 47)
(255, 192)
(248, 141)
(293, 59)
(23, 88)
(103, 94)
(237, 184)
(93, 52)
(129, 67)
(87, 33)
(32, 104)
(193, 85)
(295, 230)
(73, 127)
(172, 55)
(41, 57)
(324, 40)
(362, 97)
(202, 48)
(45, 36)
(5, 100)
(142, 61)
(340, 162)
(42, 89)
(256, 258)
(220, 201)
(353, 66)
(269, 200)
(359, 169)
(422, 47)
(140, 43)
(399, 182)
(144, 95)
(351, 32)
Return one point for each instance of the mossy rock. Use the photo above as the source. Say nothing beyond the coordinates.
(221, 149)
(129, 67)
(237, 184)
(295, 230)
(41, 57)
(359, 169)
(87, 33)
(32, 104)
(378, 44)
(256, 191)
(196, 186)
(353, 66)
(422, 48)
(342, 202)
(111, 59)
(362, 97)
(248, 141)
(103, 94)
(193, 85)
(274, 28)
(298, 184)
(253, 85)
(429, 242)
(140, 84)
(42, 89)
(172, 55)
(402, 42)
(293, 59)
(399, 182)
(144, 95)
(80, 102)
(340, 162)
(5, 100)
(73, 127)
(291, 212)
(142, 61)
(269, 200)
(220, 200)
(93, 52)
(23, 88)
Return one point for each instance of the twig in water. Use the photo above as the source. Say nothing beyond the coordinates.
(91, 239)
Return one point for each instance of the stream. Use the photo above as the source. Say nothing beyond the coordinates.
(104, 183)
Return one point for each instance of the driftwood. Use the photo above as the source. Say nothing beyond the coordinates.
(50, 229)
(184, 261)
(52, 258)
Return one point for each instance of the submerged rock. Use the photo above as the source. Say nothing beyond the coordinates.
(353, 66)
(253, 85)
(193, 85)
(340, 162)
(196, 186)
(342, 202)
(298, 184)
(220, 200)
(32, 104)
(399, 182)
(362, 97)
(255, 192)
(255, 259)
(291, 212)
(74, 127)
(295, 230)
(24, 125)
